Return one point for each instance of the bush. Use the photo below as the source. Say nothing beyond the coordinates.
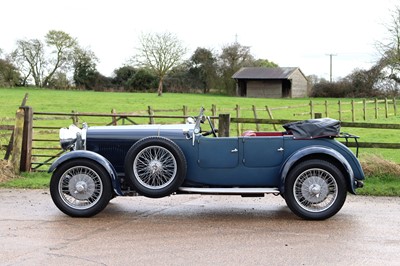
(331, 89)
(9, 76)
(374, 165)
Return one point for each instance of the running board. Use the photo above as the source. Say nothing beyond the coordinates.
(231, 190)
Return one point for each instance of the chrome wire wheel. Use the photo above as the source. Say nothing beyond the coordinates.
(315, 190)
(80, 187)
(155, 167)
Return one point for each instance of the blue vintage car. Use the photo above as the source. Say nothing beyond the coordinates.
(304, 163)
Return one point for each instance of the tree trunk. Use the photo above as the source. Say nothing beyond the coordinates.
(160, 88)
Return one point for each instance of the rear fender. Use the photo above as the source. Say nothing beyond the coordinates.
(297, 156)
(83, 154)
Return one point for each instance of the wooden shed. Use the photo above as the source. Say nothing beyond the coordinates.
(277, 82)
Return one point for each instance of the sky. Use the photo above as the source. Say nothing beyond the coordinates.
(291, 33)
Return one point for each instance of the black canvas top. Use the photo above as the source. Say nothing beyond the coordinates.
(314, 128)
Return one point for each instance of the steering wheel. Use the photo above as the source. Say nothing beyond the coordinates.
(213, 130)
(201, 119)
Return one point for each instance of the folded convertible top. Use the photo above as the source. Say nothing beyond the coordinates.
(314, 128)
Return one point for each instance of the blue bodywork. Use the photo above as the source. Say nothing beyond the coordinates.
(223, 162)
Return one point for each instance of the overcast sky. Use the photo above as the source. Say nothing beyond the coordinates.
(291, 33)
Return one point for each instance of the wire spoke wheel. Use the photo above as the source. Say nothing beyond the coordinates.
(315, 190)
(155, 167)
(80, 187)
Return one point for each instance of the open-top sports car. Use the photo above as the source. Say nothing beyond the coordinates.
(304, 164)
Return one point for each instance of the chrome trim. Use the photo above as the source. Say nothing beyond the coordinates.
(233, 190)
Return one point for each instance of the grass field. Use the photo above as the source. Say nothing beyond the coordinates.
(42, 100)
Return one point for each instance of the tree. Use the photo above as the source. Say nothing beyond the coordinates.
(203, 68)
(180, 79)
(123, 75)
(364, 83)
(59, 81)
(142, 80)
(389, 64)
(232, 58)
(264, 63)
(160, 52)
(9, 75)
(31, 58)
(29, 54)
(84, 65)
(64, 47)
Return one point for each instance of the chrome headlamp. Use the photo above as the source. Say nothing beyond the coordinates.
(73, 138)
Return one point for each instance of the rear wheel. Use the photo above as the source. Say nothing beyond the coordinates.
(156, 166)
(80, 188)
(315, 190)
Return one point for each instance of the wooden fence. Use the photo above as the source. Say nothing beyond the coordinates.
(34, 144)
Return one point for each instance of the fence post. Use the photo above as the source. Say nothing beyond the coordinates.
(340, 109)
(255, 117)
(239, 126)
(151, 113)
(213, 110)
(214, 113)
(9, 147)
(386, 108)
(364, 109)
(311, 109)
(353, 111)
(376, 108)
(75, 119)
(270, 116)
(185, 113)
(113, 119)
(26, 149)
(326, 108)
(224, 121)
(17, 140)
(394, 107)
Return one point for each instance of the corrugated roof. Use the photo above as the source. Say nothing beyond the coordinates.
(264, 73)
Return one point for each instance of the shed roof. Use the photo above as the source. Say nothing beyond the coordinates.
(264, 73)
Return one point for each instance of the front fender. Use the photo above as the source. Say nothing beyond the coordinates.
(83, 154)
(298, 155)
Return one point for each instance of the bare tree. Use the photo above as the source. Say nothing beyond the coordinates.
(160, 52)
(31, 58)
(63, 50)
(390, 48)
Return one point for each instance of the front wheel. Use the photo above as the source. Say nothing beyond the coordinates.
(315, 190)
(80, 188)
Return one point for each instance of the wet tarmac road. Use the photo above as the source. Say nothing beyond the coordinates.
(196, 230)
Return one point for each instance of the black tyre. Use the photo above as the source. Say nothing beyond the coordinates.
(156, 166)
(315, 190)
(80, 188)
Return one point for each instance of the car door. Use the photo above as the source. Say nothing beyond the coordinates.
(218, 152)
(262, 151)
